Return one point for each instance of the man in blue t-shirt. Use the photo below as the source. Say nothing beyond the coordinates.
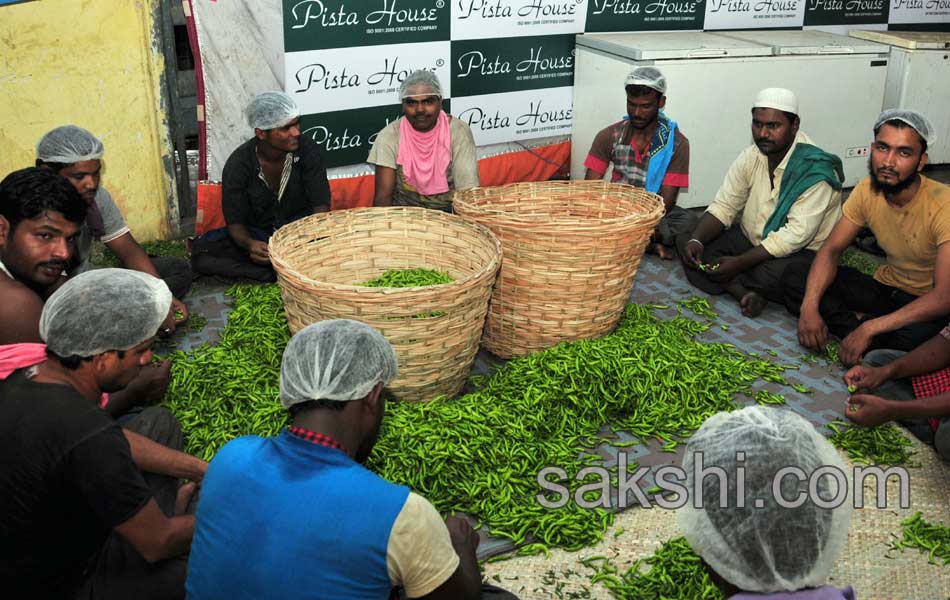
(298, 515)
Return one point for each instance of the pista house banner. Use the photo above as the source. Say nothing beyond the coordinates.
(506, 66)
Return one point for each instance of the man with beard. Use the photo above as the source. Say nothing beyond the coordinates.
(76, 154)
(907, 301)
(648, 150)
(784, 192)
(298, 512)
(272, 179)
(40, 217)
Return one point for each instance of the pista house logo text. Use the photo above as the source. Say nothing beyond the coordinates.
(498, 9)
(777, 7)
(389, 15)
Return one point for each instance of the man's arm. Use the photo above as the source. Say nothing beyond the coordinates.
(708, 229)
(155, 536)
(385, 185)
(591, 174)
(132, 255)
(812, 331)
(153, 457)
(932, 355)
(256, 249)
(669, 193)
(869, 410)
(466, 582)
(929, 306)
(20, 310)
(464, 157)
(315, 183)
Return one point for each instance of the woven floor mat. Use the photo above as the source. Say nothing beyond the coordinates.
(867, 562)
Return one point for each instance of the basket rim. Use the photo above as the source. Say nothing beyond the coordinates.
(471, 208)
(489, 268)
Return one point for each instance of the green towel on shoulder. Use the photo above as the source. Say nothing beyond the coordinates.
(806, 166)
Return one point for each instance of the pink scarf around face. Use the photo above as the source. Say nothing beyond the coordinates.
(27, 354)
(425, 155)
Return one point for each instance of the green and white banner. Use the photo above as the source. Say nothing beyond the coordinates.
(644, 15)
(506, 66)
(512, 116)
(845, 12)
(474, 19)
(512, 64)
(754, 14)
(350, 78)
(919, 12)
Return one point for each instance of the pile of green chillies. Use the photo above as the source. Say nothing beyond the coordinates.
(881, 445)
(401, 278)
(673, 571)
(481, 453)
(932, 538)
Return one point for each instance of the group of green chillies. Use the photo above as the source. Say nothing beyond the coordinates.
(673, 571)
(932, 538)
(403, 278)
(480, 453)
(880, 445)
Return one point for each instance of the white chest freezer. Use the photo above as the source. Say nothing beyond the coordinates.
(918, 77)
(712, 79)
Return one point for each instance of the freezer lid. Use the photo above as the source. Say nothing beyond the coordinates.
(810, 42)
(912, 40)
(672, 45)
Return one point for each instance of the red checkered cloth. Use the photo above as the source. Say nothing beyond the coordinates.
(317, 438)
(934, 383)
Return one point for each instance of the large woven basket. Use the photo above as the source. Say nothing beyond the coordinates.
(320, 258)
(571, 250)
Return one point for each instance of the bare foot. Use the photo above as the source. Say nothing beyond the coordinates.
(752, 304)
(185, 492)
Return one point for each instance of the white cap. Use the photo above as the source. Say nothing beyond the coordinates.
(912, 118)
(650, 77)
(777, 98)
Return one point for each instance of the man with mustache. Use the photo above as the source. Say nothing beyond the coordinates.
(907, 301)
(76, 154)
(272, 179)
(40, 217)
(648, 150)
(777, 205)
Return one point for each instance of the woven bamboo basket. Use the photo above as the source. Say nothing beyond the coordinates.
(320, 259)
(571, 250)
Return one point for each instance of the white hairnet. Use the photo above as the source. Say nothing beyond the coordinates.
(914, 119)
(338, 360)
(102, 310)
(423, 78)
(69, 144)
(777, 98)
(764, 547)
(270, 110)
(650, 77)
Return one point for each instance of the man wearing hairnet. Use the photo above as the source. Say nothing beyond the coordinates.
(76, 154)
(778, 203)
(763, 531)
(907, 301)
(423, 157)
(298, 511)
(648, 150)
(41, 217)
(274, 178)
(79, 518)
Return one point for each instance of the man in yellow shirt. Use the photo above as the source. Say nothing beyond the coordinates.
(779, 201)
(907, 301)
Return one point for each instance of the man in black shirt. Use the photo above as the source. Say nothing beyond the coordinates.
(67, 479)
(275, 178)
